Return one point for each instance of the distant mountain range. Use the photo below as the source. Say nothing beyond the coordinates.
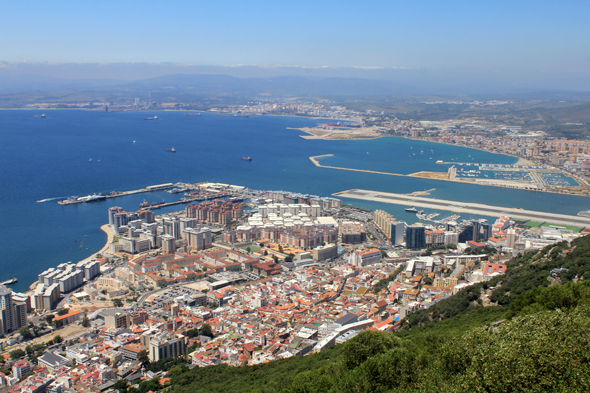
(27, 87)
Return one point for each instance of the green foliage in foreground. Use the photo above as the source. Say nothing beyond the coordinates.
(540, 352)
(268, 377)
(541, 346)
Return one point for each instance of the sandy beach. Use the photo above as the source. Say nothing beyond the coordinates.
(110, 235)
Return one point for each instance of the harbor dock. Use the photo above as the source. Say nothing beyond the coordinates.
(464, 207)
(115, 194)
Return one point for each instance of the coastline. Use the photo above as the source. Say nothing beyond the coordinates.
(440, 176)
(106, 228)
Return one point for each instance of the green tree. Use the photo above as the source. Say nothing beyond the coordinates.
(365, 345)
(193, 348)
(117, 303)
(85, 321)
(63, 311)
(25, 333)
(206, 330)
(143, 358)
(17, 353)
(49, 318)
(121, 385)
(57, 339)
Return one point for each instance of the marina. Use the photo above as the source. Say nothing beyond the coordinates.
(464, 207)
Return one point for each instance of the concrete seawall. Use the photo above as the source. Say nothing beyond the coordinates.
(451, 177)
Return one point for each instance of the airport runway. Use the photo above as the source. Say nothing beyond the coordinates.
(464, 207)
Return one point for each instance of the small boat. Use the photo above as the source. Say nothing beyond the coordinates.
(42, 115)
(193, 114)
(411, 209)
(246, 158)
(173, 150)
(90, 159)
(152, 118)
(11, 281)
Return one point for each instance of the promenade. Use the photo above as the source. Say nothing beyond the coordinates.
(464, 207)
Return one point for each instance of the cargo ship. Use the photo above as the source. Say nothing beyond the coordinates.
(152, 118)
(43, 115)
(173, 150)
(246, 158)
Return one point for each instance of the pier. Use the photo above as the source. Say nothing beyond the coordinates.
(115, 194)
(465, 207)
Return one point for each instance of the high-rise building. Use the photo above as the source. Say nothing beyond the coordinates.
(415, 236)
(467, 233)
(13, 314)
(171, 226)
(510, 238)
(398, 230)
(6, 309)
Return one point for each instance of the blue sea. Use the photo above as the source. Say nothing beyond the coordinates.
(42, 158)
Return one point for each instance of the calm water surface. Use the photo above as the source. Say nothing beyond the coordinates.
(49, 158)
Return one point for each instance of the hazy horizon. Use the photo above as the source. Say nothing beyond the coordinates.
(450, 45)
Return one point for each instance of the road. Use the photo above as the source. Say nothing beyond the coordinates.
(464, 207)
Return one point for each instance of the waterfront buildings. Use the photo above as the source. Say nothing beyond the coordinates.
(393, 229)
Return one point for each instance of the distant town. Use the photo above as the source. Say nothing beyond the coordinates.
(547, 163)
(242, 277)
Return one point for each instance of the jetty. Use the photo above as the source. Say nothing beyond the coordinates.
(8, 282)
(115, 194)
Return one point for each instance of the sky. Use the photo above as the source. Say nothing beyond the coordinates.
(517, 37)
(521, 34)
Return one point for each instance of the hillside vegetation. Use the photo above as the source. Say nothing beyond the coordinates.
(538, 343)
